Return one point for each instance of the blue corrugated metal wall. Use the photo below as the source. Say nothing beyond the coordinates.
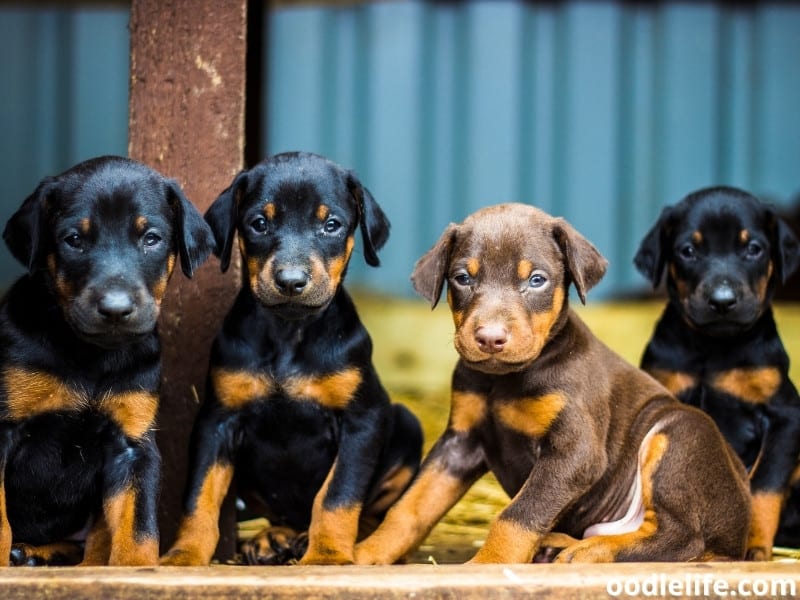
(598, 111)
(64, 98)
(601, 112)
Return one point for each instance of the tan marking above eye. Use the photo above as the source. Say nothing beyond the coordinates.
(323, 212)
(531, 416)
(473, 266)
(524, 269)
(85, 225)
(140, 224)
(744, 236)
(269, 210)
(697, 237)
(752, 384)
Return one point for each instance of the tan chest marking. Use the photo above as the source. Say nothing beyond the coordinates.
(467, 410)
(754, 384)
(236, 389)
(134, 412)
(531, 416)
(676, 382)
(30, 393)
(331, 391)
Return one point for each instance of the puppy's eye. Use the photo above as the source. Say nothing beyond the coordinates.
(151, 239)
(462, 279)
(332, 226)
(754, 250)
(74, 240)
(259, 224)
(537, 280)
(688, 251)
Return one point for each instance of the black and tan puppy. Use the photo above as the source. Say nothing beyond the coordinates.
(584, 443)
(716, 345)
(295, 414)
(80, 362)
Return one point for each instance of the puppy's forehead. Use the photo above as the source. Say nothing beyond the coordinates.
(127, 196)
(307, 182)
(504, 235)
(724, 216)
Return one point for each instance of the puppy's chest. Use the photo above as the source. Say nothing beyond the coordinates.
(508, 412)
(29, 394)
(333, 389)
(754, 385)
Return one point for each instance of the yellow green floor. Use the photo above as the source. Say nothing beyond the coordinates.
(414, 355)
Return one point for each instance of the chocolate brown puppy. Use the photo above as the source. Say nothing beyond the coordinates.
(584, 443)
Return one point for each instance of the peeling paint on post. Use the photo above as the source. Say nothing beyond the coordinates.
(186, 120)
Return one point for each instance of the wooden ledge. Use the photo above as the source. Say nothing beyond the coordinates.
(706, 580)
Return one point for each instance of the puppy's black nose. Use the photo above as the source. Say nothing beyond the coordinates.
(491, 338)
(722, 299)
(291, 282)
(115, 305)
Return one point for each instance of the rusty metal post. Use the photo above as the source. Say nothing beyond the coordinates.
(187, 113)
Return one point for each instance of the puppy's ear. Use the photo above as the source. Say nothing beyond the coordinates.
(585, 265)
(651, 258)
(371, 219)
(192, 234)
(23, 232)
(430, 270)
(221, 216)
(787, 250)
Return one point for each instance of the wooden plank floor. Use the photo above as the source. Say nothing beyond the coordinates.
(716, 580)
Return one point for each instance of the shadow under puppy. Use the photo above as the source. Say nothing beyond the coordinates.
(716, 346)
(295, 415)
(80, 362)
(584, 443)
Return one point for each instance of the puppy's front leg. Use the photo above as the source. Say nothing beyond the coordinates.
(5, 526)
(565, 470)
(454, 463)
(130, 496)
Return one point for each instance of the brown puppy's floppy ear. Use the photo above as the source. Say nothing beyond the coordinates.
(23, 232)
(192, 234)
(222, 215)
(585, 265)
(430, 270)
(651, 258)
(372, 221)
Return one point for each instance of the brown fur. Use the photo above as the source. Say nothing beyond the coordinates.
(566, 425)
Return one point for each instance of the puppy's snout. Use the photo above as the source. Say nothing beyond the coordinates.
(722, 299)
(491, 338)
(116, 305)
(291, 282)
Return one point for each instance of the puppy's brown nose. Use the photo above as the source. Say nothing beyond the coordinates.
(491, 338)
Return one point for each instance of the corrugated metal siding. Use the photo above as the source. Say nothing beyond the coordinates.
(600, 112)
(64, 80)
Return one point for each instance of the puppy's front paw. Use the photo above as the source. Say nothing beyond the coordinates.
(178, 557)
(758, 553)
(274, 546)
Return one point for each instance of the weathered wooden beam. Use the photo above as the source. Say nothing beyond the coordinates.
(701, 580)
(187, 107)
